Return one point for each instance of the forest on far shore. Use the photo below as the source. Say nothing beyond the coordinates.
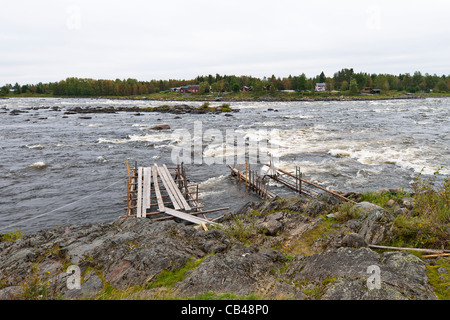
(345, 80)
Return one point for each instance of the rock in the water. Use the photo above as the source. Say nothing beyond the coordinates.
(161, 127)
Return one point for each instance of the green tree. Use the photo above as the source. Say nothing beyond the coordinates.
(361, 79)
(4, 90)
(353, 87)
(344, 85)
(341, 76)
(301, 82)
(329, 84)
(204, 87)
(381, 82)
(441, 86)
(322, 77)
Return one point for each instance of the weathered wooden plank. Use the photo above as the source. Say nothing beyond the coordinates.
(187, 217)
(159, 198)
(139, 195)
(149, 174)
(168, 187)
(183, 201)
(146, 192)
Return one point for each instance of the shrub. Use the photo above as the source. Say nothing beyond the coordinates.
(427, 224)
(11, 236)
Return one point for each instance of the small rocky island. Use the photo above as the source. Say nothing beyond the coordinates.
(174, 109)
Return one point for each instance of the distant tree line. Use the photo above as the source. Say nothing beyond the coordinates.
(343, 80)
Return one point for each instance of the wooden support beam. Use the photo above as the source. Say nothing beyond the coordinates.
(139, 195)
(176, 190)
(187, 217)
(157, 192)
(191, 213)
(168, 187)
(146, 199)
(252, 185)
(435, 251)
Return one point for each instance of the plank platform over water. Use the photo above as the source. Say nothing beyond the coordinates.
(252, 182)
(156, 182)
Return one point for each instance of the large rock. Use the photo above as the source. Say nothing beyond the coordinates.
(241, 271)
(402, 275)
(132, 252)
(161, 127)
(11, 293)
(353, 240)
(376, 223)
(126, 252)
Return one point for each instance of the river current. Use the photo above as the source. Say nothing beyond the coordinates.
(58, 169)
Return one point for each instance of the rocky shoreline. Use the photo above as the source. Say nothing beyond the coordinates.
(279, 249)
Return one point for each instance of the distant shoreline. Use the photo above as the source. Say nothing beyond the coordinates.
(247, 98)
(273, 99)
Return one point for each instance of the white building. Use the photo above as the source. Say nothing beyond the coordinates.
(320, 86)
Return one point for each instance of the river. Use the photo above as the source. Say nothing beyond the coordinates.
(58, 169)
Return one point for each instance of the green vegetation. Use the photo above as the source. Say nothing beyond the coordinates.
(224, 296)
(440, 280)
(382, 198)
(168, 278)
(110, 292)
(37, 286)
(11, 236)
(426, 224)
(302, 245)
(225, 107)
(243, 228)
(347, 81)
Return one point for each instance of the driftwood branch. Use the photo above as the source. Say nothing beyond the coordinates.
(409, 249)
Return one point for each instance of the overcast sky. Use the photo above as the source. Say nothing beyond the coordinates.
(50, 40)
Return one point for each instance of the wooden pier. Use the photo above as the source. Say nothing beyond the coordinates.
(157, 193)
(295, 182)
(252, 180)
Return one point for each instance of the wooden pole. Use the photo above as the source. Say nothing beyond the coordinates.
(193, 213)
(437, 255)
(128, 170)
(128, 196)
(409, 249)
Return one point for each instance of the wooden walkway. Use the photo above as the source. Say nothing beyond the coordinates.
(252, 181)
(156, 193)
(295, 182)
(298, 184)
